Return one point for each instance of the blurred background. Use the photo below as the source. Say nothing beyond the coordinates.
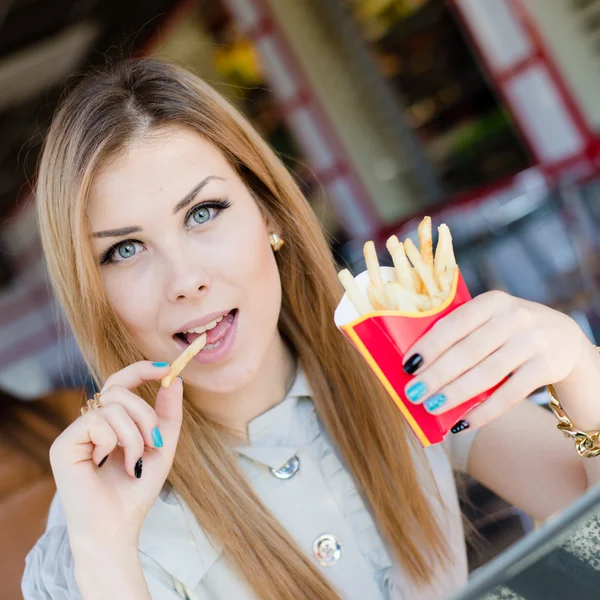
(483, 114)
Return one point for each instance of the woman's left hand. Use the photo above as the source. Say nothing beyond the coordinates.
(476, 346)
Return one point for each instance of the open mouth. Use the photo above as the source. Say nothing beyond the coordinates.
(216, 331)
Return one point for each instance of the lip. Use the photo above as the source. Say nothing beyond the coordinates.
(203, 321)
(216, 354)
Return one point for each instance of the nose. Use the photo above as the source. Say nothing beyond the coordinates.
(187, 278)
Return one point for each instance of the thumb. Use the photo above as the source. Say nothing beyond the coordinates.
(169, 409)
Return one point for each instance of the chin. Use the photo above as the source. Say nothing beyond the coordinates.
(224, 378)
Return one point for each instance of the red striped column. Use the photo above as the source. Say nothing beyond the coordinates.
(531, 84)
(306, 119)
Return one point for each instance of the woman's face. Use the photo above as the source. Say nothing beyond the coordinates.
(182, 244)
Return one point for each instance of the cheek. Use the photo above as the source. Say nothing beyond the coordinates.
(257, 275)
(266, 285)
(133, 304)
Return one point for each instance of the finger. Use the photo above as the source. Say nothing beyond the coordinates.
(136, 374)
(457, 325)
(169, 410)
(87, 438)
(127, 433)
(521, 384)
(484, 376)
(142, 414)
(462, 357)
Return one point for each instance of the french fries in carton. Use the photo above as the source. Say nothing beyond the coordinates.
(386, 310)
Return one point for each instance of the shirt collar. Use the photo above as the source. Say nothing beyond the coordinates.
(269, 434)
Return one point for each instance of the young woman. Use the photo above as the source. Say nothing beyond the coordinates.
(280, 469)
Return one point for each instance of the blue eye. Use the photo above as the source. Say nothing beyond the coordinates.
(201, 214)
(121, 252)
(126, 250)
(206, 211)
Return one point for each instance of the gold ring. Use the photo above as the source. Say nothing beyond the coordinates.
(92, 404)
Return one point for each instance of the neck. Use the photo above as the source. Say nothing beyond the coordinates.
(236, 409)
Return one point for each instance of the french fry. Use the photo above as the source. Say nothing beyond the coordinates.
(445, 261)
(357, 298)
(421, 268)
(422, 301)
(449, 280)
(405, 274)
(426, 242)
(183, 359)
(373, 264)
(399, 298)
(423, 280)
(391, 243)
(377, 297)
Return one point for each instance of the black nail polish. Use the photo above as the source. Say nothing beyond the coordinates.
(460, 426)
(413, 363)
(138, 468)
(103, 461)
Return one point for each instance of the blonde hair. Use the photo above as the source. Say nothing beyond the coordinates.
(96, 122)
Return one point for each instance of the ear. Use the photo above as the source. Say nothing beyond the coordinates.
(271, 225)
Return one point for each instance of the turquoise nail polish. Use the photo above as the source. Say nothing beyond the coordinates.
(416, 391)
(434, 402)
(160, 364)
(157, 438)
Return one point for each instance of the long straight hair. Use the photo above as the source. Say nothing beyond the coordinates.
(105, 113)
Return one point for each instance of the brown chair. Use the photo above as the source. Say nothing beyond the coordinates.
(27, 430)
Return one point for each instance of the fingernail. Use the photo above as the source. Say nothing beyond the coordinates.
(413, 364)
(157, 438)
(416, 391)
(180, 377)
(138, 469)
(460, 426)
(103, 461)
(160, 364)
(434, 402)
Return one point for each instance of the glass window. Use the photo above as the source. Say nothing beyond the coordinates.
(423, 52)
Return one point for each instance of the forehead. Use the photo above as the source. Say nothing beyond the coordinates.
(161, 166)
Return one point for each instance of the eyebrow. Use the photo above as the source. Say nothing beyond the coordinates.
(181, 204)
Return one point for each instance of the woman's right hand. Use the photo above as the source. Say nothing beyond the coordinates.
(106, 507)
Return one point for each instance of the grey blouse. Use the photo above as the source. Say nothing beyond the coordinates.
(296, 472)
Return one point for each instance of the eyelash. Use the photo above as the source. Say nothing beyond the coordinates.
(219, 206)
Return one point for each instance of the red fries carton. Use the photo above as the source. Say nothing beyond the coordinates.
(383, 338)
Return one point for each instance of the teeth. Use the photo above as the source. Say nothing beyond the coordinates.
(211, 346)
(206, 327)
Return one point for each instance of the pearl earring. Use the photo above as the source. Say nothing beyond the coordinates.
(276, 242)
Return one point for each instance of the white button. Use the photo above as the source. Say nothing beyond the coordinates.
(327, 549)
(288, 470)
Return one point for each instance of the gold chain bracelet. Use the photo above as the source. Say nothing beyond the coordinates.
(587, 444)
